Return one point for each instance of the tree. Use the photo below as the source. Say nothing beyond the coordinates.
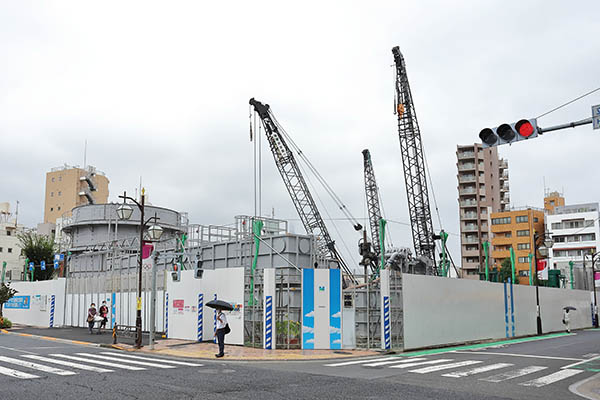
(5, 294)
(38, 248)
(505, 271)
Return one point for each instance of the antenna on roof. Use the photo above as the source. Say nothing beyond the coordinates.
(85, 154)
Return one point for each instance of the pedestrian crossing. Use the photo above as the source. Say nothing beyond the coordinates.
(450, 368)
(31, 366)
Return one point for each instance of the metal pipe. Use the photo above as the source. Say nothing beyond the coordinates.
(537, 288)
(565, 126)
(153, 301)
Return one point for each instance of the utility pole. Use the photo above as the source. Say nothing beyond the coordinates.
(153, 300)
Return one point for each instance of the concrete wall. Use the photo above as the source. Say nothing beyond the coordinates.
(39, 296)
(441, 311)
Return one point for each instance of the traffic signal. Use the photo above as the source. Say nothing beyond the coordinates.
(176, 273)
(199, 272)
(509, 133)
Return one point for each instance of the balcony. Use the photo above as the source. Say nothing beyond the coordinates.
(466, 155)
(466, 167)
(468, 215)
(466, 203)
(503, 164)
(466, 178)
(470, 253)
(467, 191)
(469, 227)
(470, 239)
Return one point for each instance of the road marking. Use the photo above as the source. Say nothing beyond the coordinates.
(513, 374)
(16, 374)
(153, 359)
(108, 364)
(19, 350)
(39, 367)
(145, 364)
(555, 377)
(519, 355)
(435, 368)
(68, 363)
(414, 364)
(477, 370)
(396, 361)
(342, 364)
(580, 362)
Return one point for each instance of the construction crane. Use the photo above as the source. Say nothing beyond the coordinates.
(374, 210)
(298, 189)
(414, 167)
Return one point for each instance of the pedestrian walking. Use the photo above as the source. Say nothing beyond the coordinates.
(222, 330)
(566, 320)
(104, 315)
(91, 316)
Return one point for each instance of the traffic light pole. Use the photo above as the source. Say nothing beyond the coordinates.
(564, 126)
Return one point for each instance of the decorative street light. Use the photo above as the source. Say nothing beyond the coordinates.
(124, 211)
(547, 243)
(594, 255)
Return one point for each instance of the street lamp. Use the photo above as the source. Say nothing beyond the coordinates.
(124, 211)
(594, 255)
(547, 244)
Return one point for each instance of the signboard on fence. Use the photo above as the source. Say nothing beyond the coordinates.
(21, 302)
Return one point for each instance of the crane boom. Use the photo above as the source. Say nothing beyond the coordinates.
(414, 166)
(373, 204)
(297, 187)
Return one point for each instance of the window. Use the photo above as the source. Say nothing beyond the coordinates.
(508, 234)
(500, 221)
(52, 179)
(51, 194)
(523, 232)
(524, 260)
(556, 225)
(523, 272)
(523, 246)
(58, 208)
(551, 202)
(51, 208)
(0, 249)
(522, 218)
(535, 219)
(59, 193)
(8, 232)
(10, 250)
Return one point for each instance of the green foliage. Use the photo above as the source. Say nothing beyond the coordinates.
(38, 248)
(5, 323)
(505, 270)
(282, 328)
(6, 292)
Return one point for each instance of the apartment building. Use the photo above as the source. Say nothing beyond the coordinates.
(576, 232)
(68, 187)
(515, 229)
(10, 248)
(482, 189)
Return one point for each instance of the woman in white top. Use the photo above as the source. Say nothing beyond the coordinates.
(221, 332)
(566, 320)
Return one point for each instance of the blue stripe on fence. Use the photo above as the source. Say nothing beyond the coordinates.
(268, 322)
(505, 310)
(215, 323)
(200, 316)
(166, 315)
(512, 309)
(386, 322)
(52, 300)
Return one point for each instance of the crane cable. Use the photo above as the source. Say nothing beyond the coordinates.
(312, 168)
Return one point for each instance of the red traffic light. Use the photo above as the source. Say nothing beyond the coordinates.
(524, 128)
(175, 267)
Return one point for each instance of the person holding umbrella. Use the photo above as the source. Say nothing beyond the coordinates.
(222, 325)
(566, 317)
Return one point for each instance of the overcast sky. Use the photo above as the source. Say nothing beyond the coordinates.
(161, 89)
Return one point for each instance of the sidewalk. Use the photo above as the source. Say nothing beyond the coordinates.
(183, 348)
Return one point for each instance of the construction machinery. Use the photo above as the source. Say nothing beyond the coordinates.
(371, 251)
(298, 189)
(414, 168)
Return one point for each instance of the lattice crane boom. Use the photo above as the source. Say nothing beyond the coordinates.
(373, 203)
(414, 165)
(297, 187)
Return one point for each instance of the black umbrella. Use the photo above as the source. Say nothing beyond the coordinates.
(220, 305)
(569, 308)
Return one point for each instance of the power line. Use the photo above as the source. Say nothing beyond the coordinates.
(569, 102)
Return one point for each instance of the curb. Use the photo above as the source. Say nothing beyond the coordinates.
(68, 341)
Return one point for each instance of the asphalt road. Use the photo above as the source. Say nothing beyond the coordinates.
(40, 369)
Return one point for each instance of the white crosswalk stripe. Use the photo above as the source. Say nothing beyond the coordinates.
(477, 370)
(435, 368)
(513, 374)
(396, 361)
(16, 374)
(68, 363)
(109, 358)
(414, 364)
(153, 359)
(343, 364)
(555, 377)
(39, 367)
(106, 363)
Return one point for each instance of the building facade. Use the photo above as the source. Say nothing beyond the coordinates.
(515, 229)
(68, 187)
(575, 231)
(11, 261)
(482, 189)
